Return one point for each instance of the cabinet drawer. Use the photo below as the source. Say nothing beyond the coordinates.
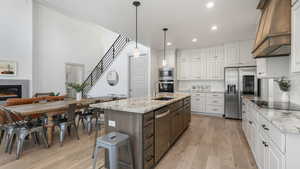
(275, 135)
(176, 106)
(214, 95)
(148, 118)
(149, 158)
(187, 100)
(215, 101)
(214, 109)
(199, 95)
(148, 131)
(148, 142)
(278, 138)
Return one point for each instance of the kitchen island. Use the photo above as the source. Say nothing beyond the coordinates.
(153, 124)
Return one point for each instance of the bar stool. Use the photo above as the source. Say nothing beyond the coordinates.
(112, 142)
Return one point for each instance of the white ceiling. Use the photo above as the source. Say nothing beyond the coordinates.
(186, 19)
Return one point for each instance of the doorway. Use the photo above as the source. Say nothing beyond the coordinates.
(138, 77)
(74, 74)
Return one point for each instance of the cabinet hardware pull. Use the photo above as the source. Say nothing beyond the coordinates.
(250, 122)
(162, 115)
(264, 127)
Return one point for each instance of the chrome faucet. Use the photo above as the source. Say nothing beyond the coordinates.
(155, 88)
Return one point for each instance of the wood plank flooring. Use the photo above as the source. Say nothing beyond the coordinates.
(209, 143)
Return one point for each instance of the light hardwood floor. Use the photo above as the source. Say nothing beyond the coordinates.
(209, 143)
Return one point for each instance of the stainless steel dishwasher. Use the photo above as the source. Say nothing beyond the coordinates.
(162, 132)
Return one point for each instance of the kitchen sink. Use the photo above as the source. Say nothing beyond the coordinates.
(164, 98)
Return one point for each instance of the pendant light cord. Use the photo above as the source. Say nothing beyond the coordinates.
(136, 26)
(165, 37)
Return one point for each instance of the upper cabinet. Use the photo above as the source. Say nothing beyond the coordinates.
(239, 54)
(246, 57)
(232, 54)
(274, 31)
(295, 56)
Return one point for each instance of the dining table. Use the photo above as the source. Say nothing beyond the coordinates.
(54, 108)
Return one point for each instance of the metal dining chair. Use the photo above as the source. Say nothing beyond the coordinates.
(67, 122)
(19, 128)
(86, 118)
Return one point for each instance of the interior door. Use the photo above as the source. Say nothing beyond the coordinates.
(74, 74)
(138, 86)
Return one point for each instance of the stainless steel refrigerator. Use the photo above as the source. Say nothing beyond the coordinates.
(239, 81)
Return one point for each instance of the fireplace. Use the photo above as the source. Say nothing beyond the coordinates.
(10, 91)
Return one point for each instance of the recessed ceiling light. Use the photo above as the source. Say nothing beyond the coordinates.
(214, 28)
(194, 40)
(169, 44)
(210, 5)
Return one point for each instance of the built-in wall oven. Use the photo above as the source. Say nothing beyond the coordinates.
(166, 73)
(166, 80)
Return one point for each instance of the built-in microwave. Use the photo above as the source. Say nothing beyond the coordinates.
(166, 73)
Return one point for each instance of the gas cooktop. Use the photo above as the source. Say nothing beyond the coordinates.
(277, 105)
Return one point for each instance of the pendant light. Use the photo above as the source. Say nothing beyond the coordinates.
(136, 52)
(164, 63)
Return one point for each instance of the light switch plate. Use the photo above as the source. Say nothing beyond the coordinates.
(111, 123)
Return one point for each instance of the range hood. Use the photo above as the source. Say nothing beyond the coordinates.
(273, 36)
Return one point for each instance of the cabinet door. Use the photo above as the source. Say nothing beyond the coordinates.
(276, 158)
(184, 68)
(246, 57)
(196, 70)
(262, 153)
(232, 54)
(198, 103)
(261, 67)
(295, 38)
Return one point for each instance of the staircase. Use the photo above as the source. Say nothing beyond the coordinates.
(104, 63)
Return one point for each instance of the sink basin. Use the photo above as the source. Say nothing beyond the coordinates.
(164, 98)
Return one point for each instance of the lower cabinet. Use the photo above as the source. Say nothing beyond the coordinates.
(262, 140)
(210, 102)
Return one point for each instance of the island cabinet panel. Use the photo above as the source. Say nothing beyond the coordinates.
(132, 125)
(152, 133)
(148, 140)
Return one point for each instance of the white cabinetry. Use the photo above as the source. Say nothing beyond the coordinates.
(239, 54)
(295, 56)
(271, 148)
(232, 54)
(204, 64)
(272, 67)
(246, 57)
(184, 68)
(209, 103)
(198, 102)
(215, 63)
(261, 67)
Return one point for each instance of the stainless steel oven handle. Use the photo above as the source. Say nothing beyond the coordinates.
(162, 115)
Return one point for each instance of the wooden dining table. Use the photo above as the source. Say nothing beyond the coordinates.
(53, 108)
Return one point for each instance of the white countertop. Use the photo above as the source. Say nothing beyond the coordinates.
(286, 121)
(140, 105)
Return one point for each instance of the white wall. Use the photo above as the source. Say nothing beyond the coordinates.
(60, 39)
(16, 35)
(120, 65)
(154, 62)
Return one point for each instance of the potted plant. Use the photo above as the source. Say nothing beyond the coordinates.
(284, 86)
(78, 88)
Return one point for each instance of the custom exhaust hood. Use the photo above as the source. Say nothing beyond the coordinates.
(273, 36)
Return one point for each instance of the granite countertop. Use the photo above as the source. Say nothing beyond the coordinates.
(140, 105)
(286, 121)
